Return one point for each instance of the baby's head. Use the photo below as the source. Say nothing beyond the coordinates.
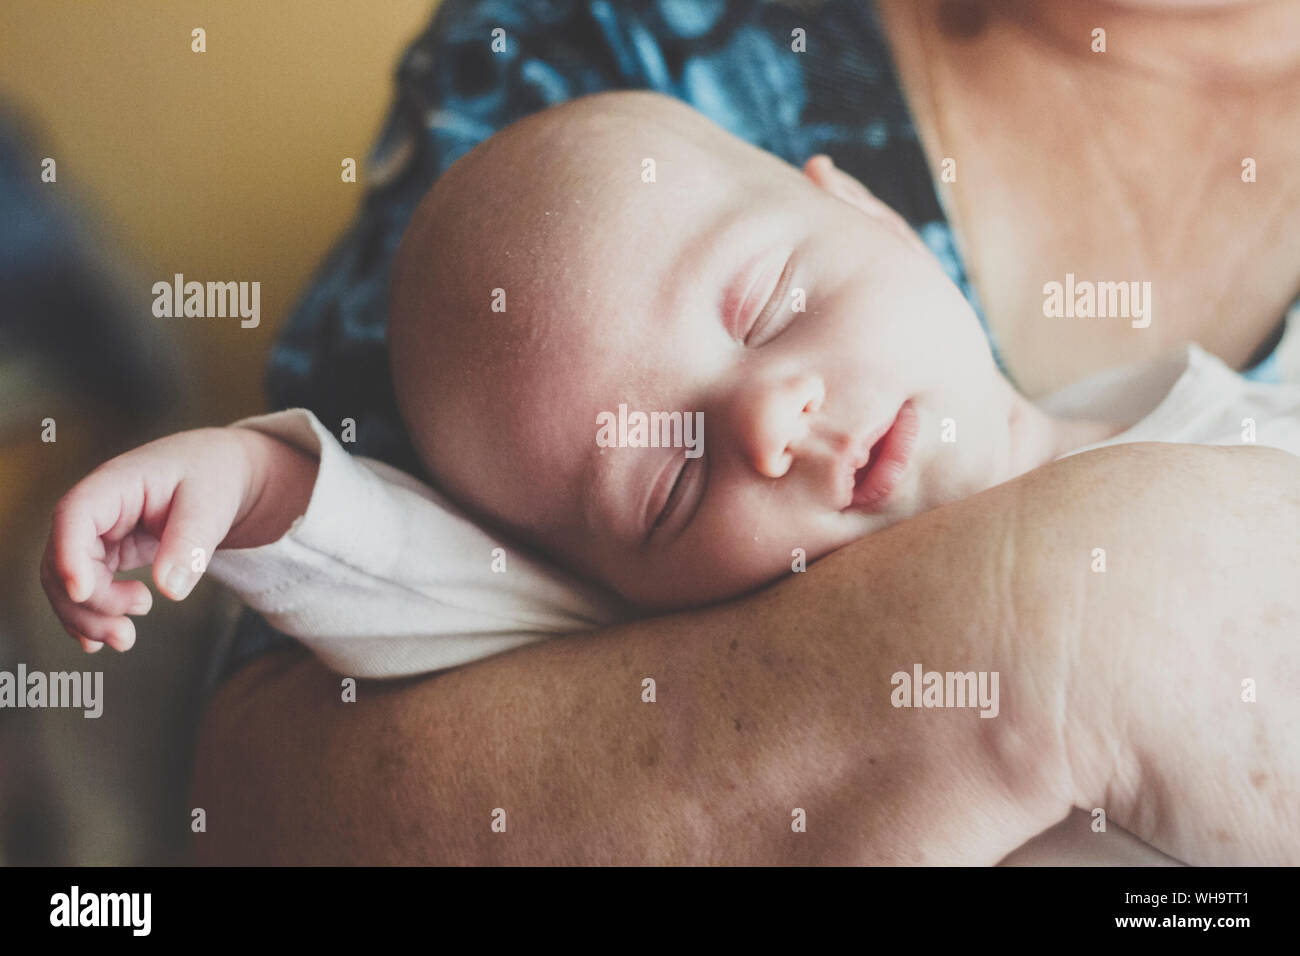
(623, 250)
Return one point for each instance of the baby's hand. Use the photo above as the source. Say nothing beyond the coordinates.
(170, 503)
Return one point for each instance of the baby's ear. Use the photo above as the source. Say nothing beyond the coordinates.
(823, 173)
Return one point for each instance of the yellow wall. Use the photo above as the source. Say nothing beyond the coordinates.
(222, 165)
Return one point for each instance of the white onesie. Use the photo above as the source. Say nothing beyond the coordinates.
(383, 577)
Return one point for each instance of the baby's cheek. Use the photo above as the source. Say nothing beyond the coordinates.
(754, 541)
(756, 549)
(699, 569)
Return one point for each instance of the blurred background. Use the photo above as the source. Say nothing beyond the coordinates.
(224, 166)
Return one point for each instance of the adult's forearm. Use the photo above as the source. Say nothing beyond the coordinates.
(781, 701)
(777, 702)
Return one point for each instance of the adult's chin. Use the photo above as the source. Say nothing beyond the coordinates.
(1175, 5)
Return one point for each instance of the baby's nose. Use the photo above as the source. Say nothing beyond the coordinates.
(779, 419)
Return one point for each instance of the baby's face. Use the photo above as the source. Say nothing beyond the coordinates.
(842, 382)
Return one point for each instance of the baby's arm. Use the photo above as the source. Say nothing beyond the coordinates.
(367, 566)
(382, 577)
(170, 503)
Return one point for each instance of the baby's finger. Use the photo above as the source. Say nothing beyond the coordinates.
(56, 592)
(76, 620)
(113, 597)
(191, 535)
(117, 632)
(137, 550)
(65, 613)
(90, 627)
(74, 541)
(116, 598)
(90, 647)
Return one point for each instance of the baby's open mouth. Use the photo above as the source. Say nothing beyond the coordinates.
(875, 481)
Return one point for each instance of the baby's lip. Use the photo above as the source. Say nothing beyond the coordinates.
(865, 446)
(881, 460)
(860, 455)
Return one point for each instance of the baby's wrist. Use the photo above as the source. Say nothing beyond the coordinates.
(278, 482)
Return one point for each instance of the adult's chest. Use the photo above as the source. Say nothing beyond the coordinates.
(1102, 222)
(1076, 274)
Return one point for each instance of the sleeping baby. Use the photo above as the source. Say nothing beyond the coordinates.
(647, 366)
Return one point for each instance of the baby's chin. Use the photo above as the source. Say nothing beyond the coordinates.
(965, 466)
(946, 488)
(937, 480)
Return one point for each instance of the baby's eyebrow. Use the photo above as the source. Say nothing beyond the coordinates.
(703, 253)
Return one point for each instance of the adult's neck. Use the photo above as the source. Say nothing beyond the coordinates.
(1227, 45)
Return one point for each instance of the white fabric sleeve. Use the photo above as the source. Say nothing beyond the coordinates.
(383, 577)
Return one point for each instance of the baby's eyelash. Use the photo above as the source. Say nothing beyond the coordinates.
(671, 500)
(691, 482)
(773, 306)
